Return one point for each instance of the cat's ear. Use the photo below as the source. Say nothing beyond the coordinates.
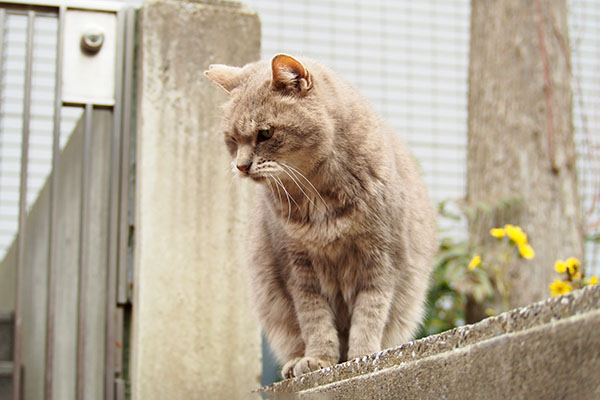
(225, 76)
(290, 74)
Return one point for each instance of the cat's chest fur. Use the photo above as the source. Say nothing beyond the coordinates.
(324, 230)
(326, 221)
(340, 241)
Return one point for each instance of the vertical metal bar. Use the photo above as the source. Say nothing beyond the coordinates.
(23, 207)
(120, 389)
(2, 19)
(119, 339)
(124, 223)
(125, 156)
(113, 243)
(83, 236)
(2, 22)
(50, 302)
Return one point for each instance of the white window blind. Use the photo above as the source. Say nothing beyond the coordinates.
(410, 59)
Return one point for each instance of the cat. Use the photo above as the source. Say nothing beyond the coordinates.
(343, 233)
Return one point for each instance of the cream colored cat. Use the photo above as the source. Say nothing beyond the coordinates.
(343, 234)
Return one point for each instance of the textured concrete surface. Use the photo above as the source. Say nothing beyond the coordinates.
(546, 350)
(194, 334)
(509, 123)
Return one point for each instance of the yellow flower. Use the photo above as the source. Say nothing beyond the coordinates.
(526, 251)
(572, 264)
(558, 288)
(498, 233)
(577, 275)
(593, 280)
(475, 261)
(516, 234)
(560, 266)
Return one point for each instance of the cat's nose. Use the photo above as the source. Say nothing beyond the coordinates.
(244, 167)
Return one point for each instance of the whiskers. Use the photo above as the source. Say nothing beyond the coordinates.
(274, 173)
(279, 184)
(298, 174)
(303, 184)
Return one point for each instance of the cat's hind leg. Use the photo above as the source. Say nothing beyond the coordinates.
(406, 313)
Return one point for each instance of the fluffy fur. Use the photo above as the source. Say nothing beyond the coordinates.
(343, 234)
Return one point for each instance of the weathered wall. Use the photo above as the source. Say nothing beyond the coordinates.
(520, 137)
(194, 335)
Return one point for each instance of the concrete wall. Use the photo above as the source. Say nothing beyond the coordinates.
(194, 335)
(548, 350)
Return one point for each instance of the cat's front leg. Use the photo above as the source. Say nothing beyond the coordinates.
(370, 312)
(316, 322)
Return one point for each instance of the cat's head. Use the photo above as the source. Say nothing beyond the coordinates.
(275, 121)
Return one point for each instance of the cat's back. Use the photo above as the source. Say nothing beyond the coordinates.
(421, 218)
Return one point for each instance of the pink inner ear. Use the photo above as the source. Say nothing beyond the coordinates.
(283, 65)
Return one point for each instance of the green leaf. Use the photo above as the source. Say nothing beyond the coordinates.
(595, 238)
(455, 272)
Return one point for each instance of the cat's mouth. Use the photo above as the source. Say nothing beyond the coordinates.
(245, 173)
(256, 178)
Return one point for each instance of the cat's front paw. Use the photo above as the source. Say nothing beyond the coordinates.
(302, 365)
(361, 351)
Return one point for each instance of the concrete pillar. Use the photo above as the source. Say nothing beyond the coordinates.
(194, 335)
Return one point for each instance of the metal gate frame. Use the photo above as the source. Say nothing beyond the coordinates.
(118, 303)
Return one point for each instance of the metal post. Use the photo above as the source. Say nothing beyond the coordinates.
(123, 237)
(2, 22)
(113, 243)
(83, 235)
(23, 207)
(2, 19)
(125, 156)
(48, 373)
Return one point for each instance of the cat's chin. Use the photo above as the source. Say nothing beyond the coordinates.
(257, 178)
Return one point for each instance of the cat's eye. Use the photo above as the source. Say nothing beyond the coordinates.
(265, 134)
(231, 143)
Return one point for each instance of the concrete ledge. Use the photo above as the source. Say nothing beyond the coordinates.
(549, 349)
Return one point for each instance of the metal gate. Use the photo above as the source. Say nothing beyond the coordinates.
(66, 212)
